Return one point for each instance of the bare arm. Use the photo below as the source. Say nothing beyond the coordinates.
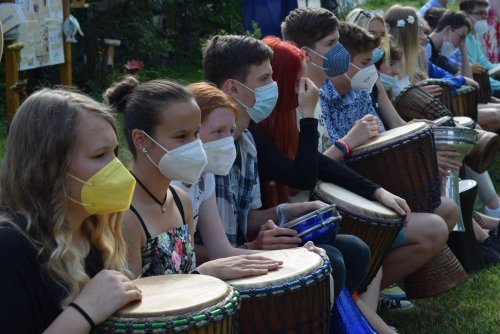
(466, 69)
(213, 234)
(135, 239)
(387, 111)
(257, 218)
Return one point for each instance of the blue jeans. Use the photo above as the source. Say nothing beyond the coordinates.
(350, 258)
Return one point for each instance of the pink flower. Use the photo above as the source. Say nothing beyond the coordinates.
(134, 65)
(177, 260)
(178, 247)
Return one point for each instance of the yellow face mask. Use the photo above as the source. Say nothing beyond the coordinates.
(107, 191)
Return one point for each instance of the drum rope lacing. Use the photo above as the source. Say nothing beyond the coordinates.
(435, 185)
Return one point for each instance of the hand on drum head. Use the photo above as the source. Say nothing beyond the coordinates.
(310, 247)
(432, 90)
(364, 129)
(394, 202)
(295, 210)
(308, 96)
(477, 69)
(239, 266)
(106, 293)
(273, 237)
(446, 159)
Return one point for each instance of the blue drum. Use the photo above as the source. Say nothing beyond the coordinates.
(319, 226)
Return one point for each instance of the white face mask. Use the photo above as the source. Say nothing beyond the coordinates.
(220, 155)
(365, 78)
(480, 27)
(185, 163)
(447, 49)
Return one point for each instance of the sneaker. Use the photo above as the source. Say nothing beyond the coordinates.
(393, 292)
(492, 212)
(394, 305)
(490, 256)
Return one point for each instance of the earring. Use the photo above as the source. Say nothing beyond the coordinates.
(144, 150)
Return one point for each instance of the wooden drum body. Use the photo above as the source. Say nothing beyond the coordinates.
(178, 304)
(485, 151)
(404, 162)
(293, 299)
(484, 92)
(372, 222)
(414, 103)
(464, 102)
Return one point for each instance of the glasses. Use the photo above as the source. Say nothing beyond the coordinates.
(483, 14)
(369, 13)
(462, 37)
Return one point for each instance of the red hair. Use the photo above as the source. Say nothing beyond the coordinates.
(281, 126)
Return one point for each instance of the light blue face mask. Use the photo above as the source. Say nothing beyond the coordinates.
(377, 54)
(265, 101)
(336, 60)
(388, 81)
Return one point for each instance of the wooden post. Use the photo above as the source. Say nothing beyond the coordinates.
(66, 75)
(11, 77)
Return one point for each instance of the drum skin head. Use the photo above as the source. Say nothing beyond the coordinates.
(463, 121)
(355, 203)
(297, 263)
(464, 185)
(389, 136)
(175, 295)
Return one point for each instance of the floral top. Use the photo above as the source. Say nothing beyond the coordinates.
(492, 37)
(340, 113)
(170, 252)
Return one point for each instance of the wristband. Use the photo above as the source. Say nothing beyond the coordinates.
(346, 145)
(84, 314)
(340, 147)
(280, 212)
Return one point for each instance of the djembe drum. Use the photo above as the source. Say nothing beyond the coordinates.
(403, 161)
(485, 151)
(178, 304)
(293, 299)
(377, 225)
(464, 102)
(461, 140)
(484, 92)
(414, 103)
(445, 97)
(464, 245)
(319, 226)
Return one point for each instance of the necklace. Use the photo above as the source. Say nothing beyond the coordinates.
(161, 203)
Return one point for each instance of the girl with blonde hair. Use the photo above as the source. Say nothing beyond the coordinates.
(62, 191)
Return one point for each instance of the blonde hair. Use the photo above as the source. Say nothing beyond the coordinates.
(362, 17)
(40, 145)
(405, 32)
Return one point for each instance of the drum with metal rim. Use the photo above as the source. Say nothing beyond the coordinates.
(319, 226)
(293, 299)
(377, 225)
(178, 304)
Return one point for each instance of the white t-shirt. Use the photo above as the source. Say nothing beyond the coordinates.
(198, 192)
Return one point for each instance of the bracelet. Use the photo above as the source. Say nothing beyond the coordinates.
(346, 145)
(340, 147)
(280, 211)
(84, 314)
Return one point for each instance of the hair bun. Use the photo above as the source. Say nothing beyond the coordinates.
(117, 95)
